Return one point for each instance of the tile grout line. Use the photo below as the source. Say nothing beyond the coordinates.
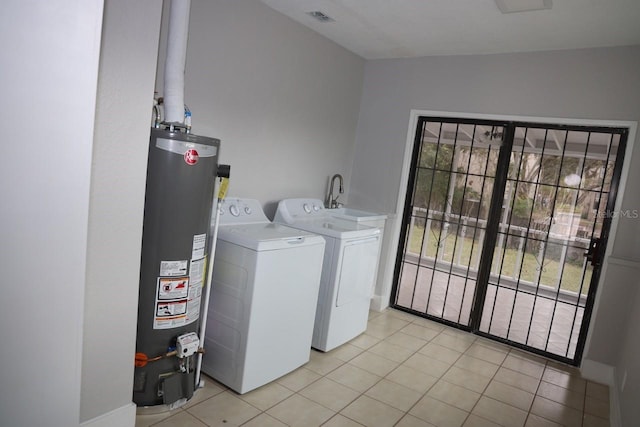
(400, 364)
(363, 393)
(485, 389)
(440, 331)
(407, 412)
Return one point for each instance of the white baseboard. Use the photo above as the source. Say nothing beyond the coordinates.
(124, 416)
(378, 303)
(604, 374)
(598, 372)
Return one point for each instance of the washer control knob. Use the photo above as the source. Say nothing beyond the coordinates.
(316, 208)
(306, 208)
(247, 210)
(233, 209)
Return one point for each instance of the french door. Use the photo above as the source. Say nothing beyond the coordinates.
(504, 228)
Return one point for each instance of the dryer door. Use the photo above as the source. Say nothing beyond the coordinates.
(357, 269)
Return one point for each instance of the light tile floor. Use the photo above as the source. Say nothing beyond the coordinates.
(406, 371)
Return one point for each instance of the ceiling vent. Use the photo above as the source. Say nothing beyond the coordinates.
(512, 6)
(320, 16)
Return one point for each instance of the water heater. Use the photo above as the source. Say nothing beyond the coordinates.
(181, 174)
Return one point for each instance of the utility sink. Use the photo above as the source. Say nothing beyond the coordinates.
(356, 215)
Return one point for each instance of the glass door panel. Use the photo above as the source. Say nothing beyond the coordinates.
(540, 279)
(446, 220)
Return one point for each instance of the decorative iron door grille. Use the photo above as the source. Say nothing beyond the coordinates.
(504, 228)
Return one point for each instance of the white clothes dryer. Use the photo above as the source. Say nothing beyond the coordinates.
(348, 270)
(263, 299)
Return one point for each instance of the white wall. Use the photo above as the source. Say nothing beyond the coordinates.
(283, 100)
(599, 84)
(48, 77)
(125, 98)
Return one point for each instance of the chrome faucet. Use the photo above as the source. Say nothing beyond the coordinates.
(332, 202)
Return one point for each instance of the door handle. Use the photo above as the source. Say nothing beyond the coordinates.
(593, 252)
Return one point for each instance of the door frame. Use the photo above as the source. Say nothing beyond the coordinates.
(396, 218)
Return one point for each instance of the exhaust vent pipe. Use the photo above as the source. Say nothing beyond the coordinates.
(174, 66)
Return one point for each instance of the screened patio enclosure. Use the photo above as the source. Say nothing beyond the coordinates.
(503, 228)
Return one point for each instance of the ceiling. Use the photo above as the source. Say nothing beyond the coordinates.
(375, 29)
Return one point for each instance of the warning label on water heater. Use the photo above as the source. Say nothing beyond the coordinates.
(199, 244)
(173, 268)
(172, 297)
(173, 288)
(195, 289)
(171, 308)
(178, 298)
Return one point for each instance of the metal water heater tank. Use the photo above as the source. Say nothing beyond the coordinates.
(181, 175)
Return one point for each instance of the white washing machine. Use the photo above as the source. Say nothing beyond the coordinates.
(264, 291)
(348, 270)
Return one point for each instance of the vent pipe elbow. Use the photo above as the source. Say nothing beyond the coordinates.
(174, 66)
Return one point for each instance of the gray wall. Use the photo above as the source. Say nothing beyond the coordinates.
(48, 82)
(599, 84)
(125, 94)
(260, 116)
(285, 103)
(596, 84)
(283, 100)
(628, 366)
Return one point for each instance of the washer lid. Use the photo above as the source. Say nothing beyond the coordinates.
(335, 227)
(267, 236)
